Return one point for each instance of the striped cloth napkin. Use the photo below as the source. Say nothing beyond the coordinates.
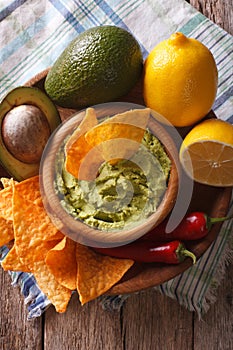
(35, 32)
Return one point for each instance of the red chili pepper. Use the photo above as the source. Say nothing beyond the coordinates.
(170, 253)
(195, 225)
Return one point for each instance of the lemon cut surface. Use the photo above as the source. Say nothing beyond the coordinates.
(206, 153)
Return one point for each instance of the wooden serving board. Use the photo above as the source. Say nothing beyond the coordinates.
(212, 200)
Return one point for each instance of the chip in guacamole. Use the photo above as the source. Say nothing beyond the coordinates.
(129, 183)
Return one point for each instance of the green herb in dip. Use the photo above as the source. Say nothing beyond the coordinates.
(122, 194)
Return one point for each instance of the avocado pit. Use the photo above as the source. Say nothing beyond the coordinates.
(25, 132)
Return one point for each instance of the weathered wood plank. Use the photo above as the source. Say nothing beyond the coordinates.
(86, 327)
(219, 11)
(147, 321)
(15, 331)
(152, 321)
(214, 331)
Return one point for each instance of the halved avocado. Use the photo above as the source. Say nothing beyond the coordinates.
(24, 95)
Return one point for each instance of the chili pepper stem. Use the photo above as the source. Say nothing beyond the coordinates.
(211, 221)
(189, 254)
(182, 253)
(225, 218)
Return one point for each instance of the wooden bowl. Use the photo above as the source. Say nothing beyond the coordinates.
(212, 200)
(78, 230)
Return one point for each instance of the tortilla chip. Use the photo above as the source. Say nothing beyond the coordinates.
(77, 149)
(6, 231)
(61, 262)
(135, 117)
(88, 122)
(97, 273)
(35, 236)
(6, 203)
(75, 156)
(115, 135)
(13, 262)
(91, 144)
(56, 293)
(6, 181)
(30, 189)
(33, 230)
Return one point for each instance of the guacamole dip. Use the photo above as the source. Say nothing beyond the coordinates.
(122, 194)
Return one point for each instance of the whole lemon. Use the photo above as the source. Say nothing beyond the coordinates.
(180, 80)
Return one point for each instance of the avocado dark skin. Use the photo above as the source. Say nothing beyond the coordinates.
(31, 124)
(100, 65)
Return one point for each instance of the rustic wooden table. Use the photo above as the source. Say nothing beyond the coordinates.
(147, 321)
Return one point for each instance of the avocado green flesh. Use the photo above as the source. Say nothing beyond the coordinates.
(123, 194)
(100, 65)
(25, 96)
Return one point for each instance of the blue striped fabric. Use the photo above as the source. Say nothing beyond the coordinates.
(34, 33)
(35, 299)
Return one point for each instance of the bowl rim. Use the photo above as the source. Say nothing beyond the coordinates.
(78, 230)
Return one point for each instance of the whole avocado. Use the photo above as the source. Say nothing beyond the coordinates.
(100, 65)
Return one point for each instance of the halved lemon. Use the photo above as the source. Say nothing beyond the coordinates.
(206, 153)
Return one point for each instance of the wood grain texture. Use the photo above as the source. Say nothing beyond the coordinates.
(83, 328)
(215, 330)
(148, 320)
(219, 11)
(15, 331)
(152, 321)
